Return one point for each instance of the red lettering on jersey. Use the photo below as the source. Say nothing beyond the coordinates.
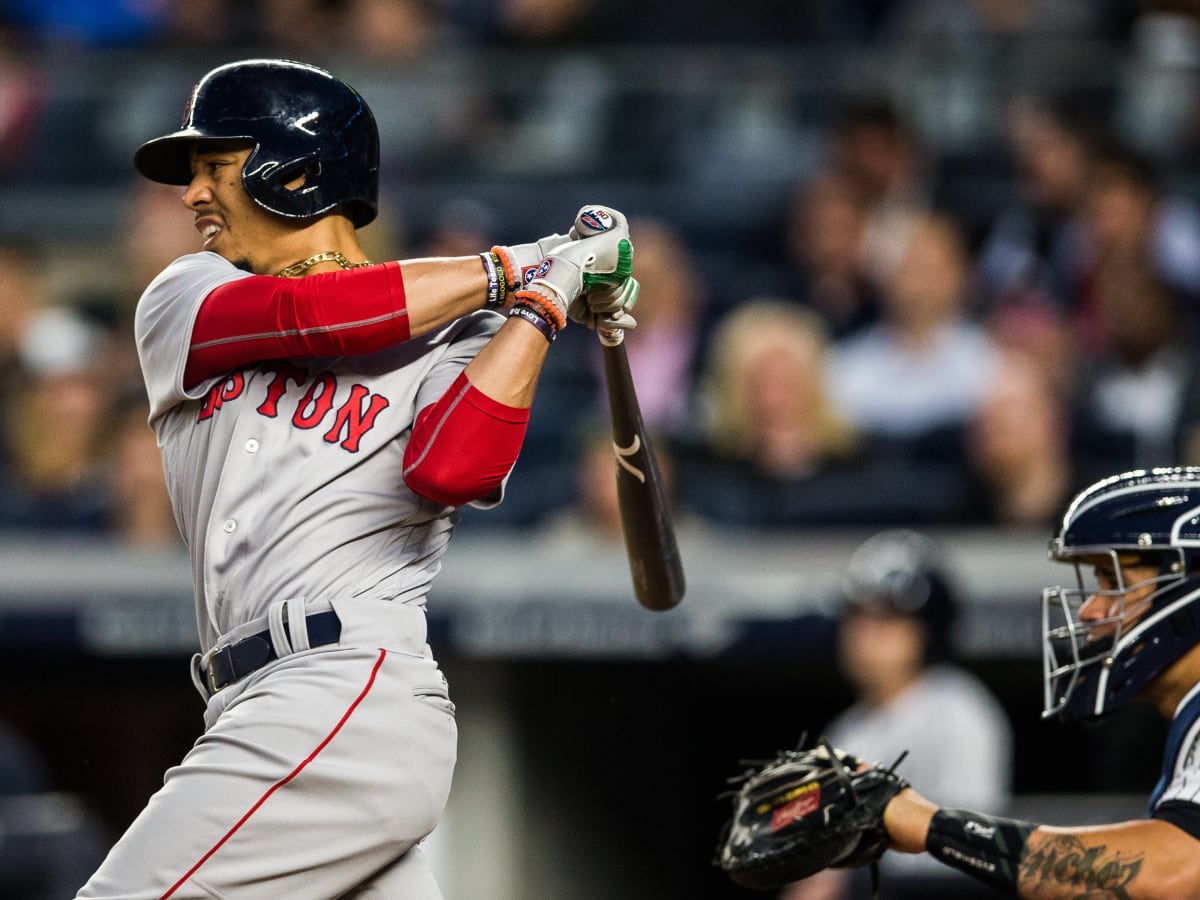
(353, 419)
(278, 387)
(229, 389)
(316, 402)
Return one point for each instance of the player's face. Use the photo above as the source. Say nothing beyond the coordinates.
(1117, 601)
(880, 652)
(229, 222)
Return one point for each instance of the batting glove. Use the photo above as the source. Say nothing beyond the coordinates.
(608, 295)
(602, 259)
(518, 262)
(607, 307)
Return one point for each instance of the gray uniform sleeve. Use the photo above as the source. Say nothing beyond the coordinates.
(163, 324)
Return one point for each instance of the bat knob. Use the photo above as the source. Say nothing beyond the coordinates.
(611, 337)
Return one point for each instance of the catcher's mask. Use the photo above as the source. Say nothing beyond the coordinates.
(1091, 664)
(303, 123)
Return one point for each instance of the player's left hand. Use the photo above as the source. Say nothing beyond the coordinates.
(520, 261)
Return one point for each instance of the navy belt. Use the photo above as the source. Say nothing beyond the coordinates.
(232, 663)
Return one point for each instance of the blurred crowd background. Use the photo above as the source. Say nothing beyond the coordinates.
(932, 263)
(913, 263)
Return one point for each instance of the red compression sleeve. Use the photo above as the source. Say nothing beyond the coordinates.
(463, 445)
(330, 314)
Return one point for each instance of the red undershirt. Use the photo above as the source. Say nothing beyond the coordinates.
(462, 446)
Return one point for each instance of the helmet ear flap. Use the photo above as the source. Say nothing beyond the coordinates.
(287, 182)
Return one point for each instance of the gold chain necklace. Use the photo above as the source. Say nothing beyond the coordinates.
(328, 256)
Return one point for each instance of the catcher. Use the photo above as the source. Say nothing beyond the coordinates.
(1128, 631)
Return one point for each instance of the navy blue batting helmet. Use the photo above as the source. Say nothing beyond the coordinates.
(303, 123)
(904, 573)
(1146, 517)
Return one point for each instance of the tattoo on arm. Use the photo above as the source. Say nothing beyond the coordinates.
(1097, 874)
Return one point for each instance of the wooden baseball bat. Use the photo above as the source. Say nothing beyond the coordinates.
(654, 560)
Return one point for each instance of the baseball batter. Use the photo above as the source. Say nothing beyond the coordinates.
(321, 418)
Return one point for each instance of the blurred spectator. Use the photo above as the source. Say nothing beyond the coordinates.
(765, 403)
(1131, 220)
(950, 59)
(925, 366)
(1159, 91)
(898, 606)
(194, 24)
(775, 452)
(1130, 397)
(24, 289)
(874, 144)
(54, 479)
(24, 94)
(1030, 267)
(392, 32)
(141, 513)
(1018, 448)
(822, 253)
(1090, 204)
(665, 349)
(153, 233)
(543, 21)
(459, 228)
(297, 29)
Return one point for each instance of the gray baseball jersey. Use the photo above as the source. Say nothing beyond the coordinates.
(286, 477)
(319, 773)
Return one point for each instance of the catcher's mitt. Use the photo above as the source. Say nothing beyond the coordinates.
(804, 811)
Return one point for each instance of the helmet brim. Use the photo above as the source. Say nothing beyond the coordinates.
(168, 159)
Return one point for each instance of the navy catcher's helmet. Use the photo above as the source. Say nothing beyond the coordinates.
(902, 572)
(1147, 517)
(302, 121)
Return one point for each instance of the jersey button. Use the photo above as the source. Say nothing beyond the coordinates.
(230, 526)
(252, 446)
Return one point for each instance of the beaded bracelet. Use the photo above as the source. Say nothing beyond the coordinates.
(545, 306)
(510, 276)
(536, 319)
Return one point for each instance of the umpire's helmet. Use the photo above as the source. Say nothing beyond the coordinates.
(302, 121)
(903, 572)
(1145, 517)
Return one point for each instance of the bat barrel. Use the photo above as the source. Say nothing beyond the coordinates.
(654, 560)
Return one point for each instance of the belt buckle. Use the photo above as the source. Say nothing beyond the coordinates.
(210, 677)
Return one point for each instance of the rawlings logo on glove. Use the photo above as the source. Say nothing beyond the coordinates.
(804, 811)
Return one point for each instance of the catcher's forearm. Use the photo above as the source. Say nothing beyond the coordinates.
(989, 848)
(906, 819)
